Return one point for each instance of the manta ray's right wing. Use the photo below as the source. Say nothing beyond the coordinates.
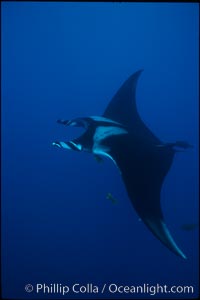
(123, 109)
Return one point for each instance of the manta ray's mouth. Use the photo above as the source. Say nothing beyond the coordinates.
(70, 143)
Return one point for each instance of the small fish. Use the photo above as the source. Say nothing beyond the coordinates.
(110, 197)
(189, 226)
(98, 158)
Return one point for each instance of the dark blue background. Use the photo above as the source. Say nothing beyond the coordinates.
(65, 60)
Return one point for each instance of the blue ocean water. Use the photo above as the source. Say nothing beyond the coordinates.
(66, 60)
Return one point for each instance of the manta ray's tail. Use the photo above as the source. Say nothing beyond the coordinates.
(160, 230)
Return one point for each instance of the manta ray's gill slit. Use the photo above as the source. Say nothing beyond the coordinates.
(103, 132)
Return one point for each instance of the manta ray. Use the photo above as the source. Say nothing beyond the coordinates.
(143, 159)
